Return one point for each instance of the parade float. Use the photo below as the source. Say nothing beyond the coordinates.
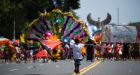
(106, 32)
(96, 29)
(120, 33)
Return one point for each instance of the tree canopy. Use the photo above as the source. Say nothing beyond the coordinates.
(22, 12)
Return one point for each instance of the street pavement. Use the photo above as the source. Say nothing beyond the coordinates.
(116, 68)
(66, 67)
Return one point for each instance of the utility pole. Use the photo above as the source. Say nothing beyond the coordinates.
(14, 31)
(118, 16)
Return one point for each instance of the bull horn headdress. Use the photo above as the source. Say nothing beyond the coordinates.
(99, 23)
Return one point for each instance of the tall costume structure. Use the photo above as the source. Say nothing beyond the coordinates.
(100, 25)
(57, 26)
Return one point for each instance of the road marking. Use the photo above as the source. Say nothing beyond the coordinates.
(87, 68)
(92, 66)
(13, 69)
(29, 67)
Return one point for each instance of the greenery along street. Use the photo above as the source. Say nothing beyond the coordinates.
(22, 12)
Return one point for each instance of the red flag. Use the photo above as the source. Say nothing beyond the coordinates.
(51, 43)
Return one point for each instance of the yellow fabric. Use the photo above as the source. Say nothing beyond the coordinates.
(22, 36)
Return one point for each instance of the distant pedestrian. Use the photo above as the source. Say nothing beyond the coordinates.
(125, 51)
(18, 54)
(90, 49)
(77, 55)
(6, 54)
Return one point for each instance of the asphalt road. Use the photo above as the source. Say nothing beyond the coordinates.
(116, 68)
(66, 68)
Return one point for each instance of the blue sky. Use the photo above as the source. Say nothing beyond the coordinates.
(129, 10)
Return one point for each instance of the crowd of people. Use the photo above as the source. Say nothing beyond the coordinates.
(11, 54)
(90, 51)
(118, 51)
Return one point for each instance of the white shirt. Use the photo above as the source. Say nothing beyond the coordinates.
(77, 51)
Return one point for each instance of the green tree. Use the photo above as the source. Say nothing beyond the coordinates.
(24, 12)
(134, 24)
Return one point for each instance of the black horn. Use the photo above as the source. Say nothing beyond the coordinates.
(96, 23)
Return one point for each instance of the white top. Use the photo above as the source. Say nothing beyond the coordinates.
(17, 49)
(67, 46)
(77, 51)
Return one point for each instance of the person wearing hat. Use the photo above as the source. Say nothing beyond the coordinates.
(77, 55)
